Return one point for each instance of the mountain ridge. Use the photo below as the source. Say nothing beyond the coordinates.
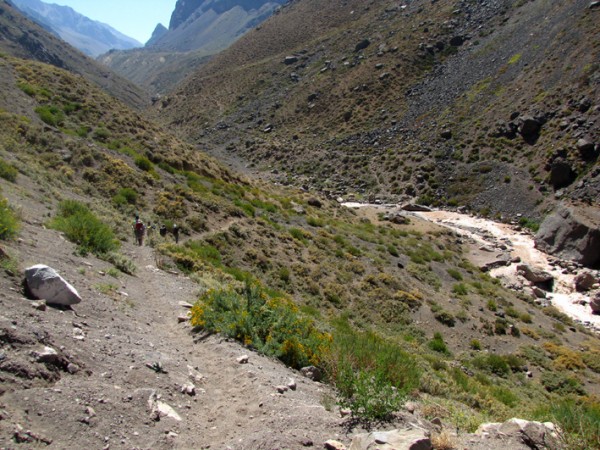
(198, 30)
(90, 36)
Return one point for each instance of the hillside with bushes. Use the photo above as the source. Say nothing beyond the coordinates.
(218, 338)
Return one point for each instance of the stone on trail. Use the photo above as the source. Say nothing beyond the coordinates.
(334, 445)
(185, 305)
(43, 282)
(532, 434)
(312, 372)
(292, 384)
(47, 355)
(188, 389)
(414, 207)
(242, 359)
(415, 439)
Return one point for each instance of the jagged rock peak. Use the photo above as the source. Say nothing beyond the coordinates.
(158, 32)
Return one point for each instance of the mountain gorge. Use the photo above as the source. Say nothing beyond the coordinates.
(276, 316)
(488, 105)
(91, 37)
(197, 30)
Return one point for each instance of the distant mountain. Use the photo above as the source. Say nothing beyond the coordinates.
(22, 38)
(91, 37)
(158, 32)
(198, 29)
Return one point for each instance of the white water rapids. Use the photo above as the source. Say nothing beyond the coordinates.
(489, 234)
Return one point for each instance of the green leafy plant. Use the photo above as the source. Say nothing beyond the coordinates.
(81, 226)
(8, 171)
(9, 222)
(50, 114)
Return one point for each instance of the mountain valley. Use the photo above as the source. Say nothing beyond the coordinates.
(270, 313)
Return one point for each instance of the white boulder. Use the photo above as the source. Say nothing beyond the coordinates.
(45, 283)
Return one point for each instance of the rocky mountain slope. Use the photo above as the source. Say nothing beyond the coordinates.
(198, 29)
(91, 37)
(395, 314)
(492, 106)
(22, 38)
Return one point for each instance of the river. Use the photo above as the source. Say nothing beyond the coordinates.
(493, 237)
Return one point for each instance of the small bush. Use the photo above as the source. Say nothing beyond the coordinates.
(125, 196)
(561, 383)
(271, 325)
(144, 163)
(455, 274)
(445, 317)
(81, 226)
(52, 115)
(579, 422)
(460, 289)
(492, 363)
(475, 344)
(437, 344)
(9, 223)
(7, 171)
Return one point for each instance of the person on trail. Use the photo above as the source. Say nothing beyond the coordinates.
(163, 230)
(176, 233)
(139, 229)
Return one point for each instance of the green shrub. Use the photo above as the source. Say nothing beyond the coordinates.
(445, 317)
(492, 363)
(371, 374)
(81, 226)
(315, 221)
(9, 223)
(8, 171)
(272, 325)
(579, 422)
(592, 360)
(52, 115)
(460, 289)
(101, 134)
(144, 163)
(561, 383)
(125, 196)
(475, 344)
(529, 223)
(455, 274)
(122, 263)
(437, 344)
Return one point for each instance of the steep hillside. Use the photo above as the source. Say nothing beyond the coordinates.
(23, 38)
(492, 106)
(198, 30)
(388, 311)
(91, 37)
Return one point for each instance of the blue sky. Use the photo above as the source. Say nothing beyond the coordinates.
(134, 18)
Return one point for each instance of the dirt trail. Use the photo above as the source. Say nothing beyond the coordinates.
(123, 325)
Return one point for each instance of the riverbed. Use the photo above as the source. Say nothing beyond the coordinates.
(492, 238)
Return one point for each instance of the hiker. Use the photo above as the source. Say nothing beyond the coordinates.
(139, 229)
(163, 230)
(176, 233)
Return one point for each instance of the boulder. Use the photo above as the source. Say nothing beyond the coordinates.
(584, 281)
(312, 372)
(43, 283)
(534, 275)
(416, 208)
(533, 434)
(561, 174)
(415, 439)
(362, 45)
(587, 149)
(571, 233)
(595, 304)
(529, 127)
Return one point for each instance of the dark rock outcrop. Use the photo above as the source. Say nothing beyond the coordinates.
(571, 233)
